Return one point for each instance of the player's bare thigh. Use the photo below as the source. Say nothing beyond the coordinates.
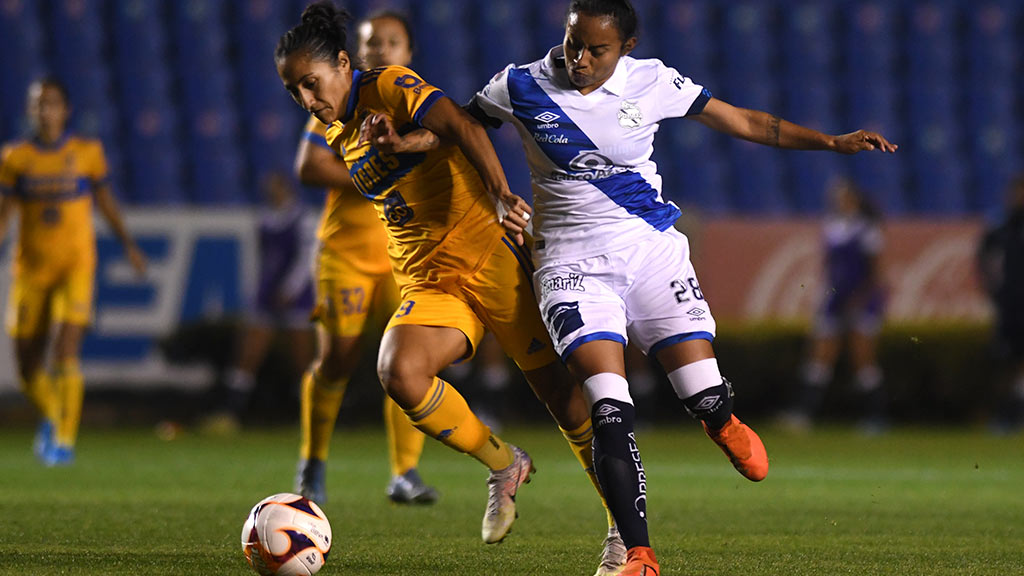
(411, 356)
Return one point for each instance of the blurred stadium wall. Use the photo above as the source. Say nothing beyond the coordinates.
(185, 97)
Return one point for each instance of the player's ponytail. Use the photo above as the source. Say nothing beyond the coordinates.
(322, 33)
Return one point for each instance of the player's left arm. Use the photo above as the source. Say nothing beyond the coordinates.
(107, 205)
(379, 131)
(770, 130)
(451, 123)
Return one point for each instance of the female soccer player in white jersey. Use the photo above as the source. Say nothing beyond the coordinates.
(610, 265)
(457, 270)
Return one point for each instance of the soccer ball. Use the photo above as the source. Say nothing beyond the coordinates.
(286, 535)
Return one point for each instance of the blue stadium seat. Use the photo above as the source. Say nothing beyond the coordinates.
(200, 37)
(940, 184)
(270, 138)
(993, 48)
(156, 176)
(758, 173)
(684, 34)
(501, 19)
(931, 42)
(884, 178)
(145, 92)
(809, 31)
(810, 175)
(696, 169)
(876, 107)
(21, 46)
(813, 104)
(446, 37)
(749, 47)
(218, 178)
(77, 30)
(548, 25)
(871, 41)
(140, 38)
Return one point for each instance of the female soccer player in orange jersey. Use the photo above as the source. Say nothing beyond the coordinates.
(457, 270)
(353, 275)
(51, 180)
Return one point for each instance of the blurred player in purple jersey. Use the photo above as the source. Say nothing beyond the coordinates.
(281, 303)
(851, 310)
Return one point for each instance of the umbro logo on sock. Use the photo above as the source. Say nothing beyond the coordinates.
(606, 409)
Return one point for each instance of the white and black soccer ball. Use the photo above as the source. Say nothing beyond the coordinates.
(286, 535)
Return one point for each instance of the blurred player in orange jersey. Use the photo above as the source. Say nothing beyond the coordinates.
(51, 180)
(447, 209)
(353, 275)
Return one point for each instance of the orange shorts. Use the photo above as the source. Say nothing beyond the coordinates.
(498, 298)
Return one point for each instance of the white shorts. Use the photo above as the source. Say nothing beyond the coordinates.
(647, 292)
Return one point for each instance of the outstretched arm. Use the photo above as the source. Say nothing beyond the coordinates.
(770, 130)
(108, 207)
(452, 124)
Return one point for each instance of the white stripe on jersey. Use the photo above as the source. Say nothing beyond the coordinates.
(595, 187)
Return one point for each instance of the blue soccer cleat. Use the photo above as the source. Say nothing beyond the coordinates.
(59, 455)
(43, 441)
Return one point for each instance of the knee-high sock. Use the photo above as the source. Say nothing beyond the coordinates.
(616, 455)
(405, 442)
(40, 391)
(443, 414)
(318, 411)
(581, 441)
(70, 388)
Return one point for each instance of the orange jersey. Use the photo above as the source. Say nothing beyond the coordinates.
(53, 187)
(349, 226)
(441, 224)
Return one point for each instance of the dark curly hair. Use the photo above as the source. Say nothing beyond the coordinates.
(322, 33)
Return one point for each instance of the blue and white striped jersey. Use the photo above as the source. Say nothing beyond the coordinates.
(595, 187)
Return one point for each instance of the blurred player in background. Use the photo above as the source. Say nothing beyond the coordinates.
(52, 180)
(610, 265)
(353, 277)
(1001, 263)
(853, 308)
(456, 268)
(283, 299)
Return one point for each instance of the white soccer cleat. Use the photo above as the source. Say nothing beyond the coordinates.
(613, 557)
(502, 486)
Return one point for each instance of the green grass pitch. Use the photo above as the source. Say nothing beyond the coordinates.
(913, 502)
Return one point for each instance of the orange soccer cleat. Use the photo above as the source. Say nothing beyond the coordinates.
(640, 561)
(743, 447)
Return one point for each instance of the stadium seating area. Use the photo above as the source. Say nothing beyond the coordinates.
(186, 99)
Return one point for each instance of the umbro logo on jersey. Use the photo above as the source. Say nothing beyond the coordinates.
(606, 409)
(546, 117)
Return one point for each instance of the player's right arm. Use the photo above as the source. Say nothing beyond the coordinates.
(317, 165)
